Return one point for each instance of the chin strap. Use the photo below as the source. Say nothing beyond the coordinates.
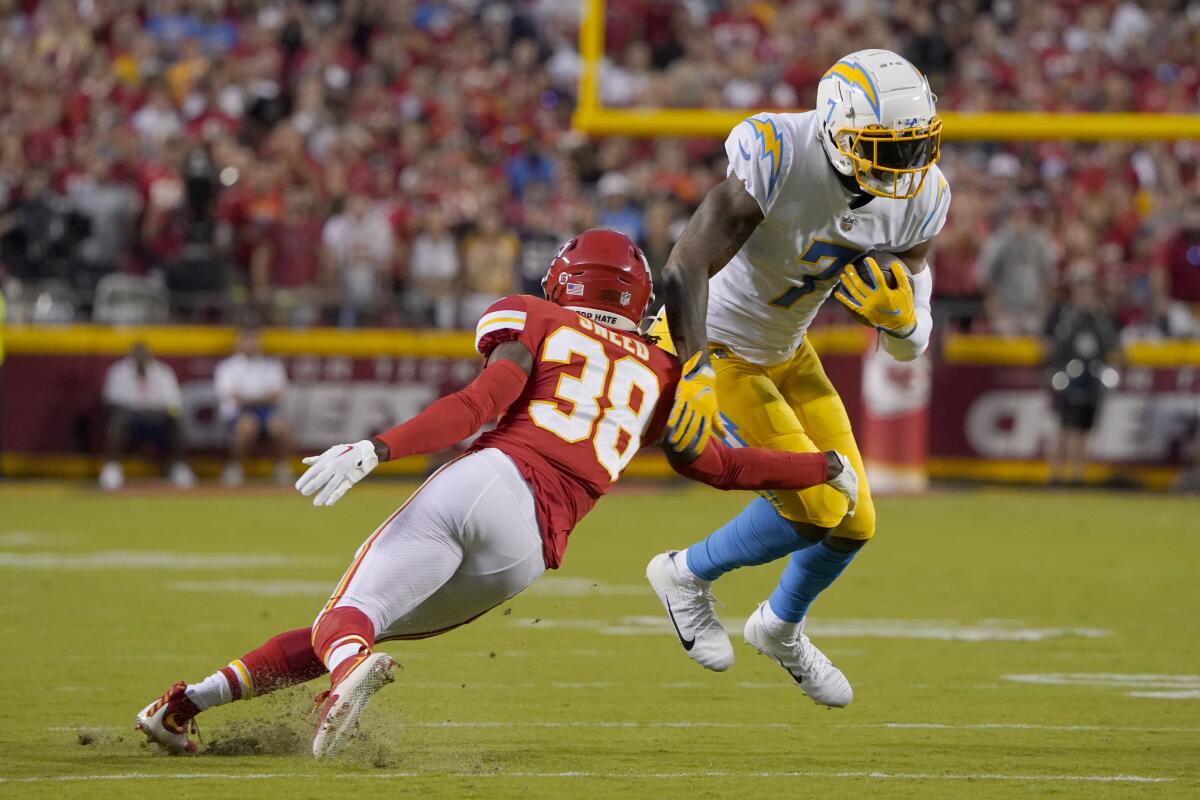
(915, 343)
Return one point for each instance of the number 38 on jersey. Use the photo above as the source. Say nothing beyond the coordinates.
(595, 394)
(627, 389)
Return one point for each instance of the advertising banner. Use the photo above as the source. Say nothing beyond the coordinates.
(996, 412)
(980, 410)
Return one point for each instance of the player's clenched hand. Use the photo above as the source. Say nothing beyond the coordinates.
(842, 477)
(331, 474)
(888, 309)
(694, 417)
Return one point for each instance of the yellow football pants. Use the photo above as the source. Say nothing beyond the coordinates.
(791, 406)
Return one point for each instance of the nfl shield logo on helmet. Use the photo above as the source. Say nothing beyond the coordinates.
(626, 297)
(574, 289)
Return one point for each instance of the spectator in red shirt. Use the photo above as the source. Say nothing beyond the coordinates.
(285, 265)
(1179, 260)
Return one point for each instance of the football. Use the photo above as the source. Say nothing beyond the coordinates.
(882, 259)
(864, 273)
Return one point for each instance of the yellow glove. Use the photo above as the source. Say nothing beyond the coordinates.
(694, 417)
(890, 310)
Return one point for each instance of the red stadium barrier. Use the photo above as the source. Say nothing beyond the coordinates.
(989, 415)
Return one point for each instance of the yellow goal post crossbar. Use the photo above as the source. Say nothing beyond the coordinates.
(591, 117)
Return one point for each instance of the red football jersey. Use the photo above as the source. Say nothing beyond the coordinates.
(594, 397)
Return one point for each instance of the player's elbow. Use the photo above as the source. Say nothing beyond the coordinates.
(675, 273)
(906, 349)
(723, 482)
(906, 353)
(701, 469)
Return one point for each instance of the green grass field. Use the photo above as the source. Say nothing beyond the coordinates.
(1001, 643)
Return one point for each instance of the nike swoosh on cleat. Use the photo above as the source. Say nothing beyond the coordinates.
(688, 644)
(799, 679)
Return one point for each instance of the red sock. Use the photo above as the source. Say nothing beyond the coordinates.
(342, 638)
(282, 661)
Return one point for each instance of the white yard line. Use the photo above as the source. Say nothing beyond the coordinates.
(870, 776)
(633, 724)
(145, 559)
(989, 630)
(1016, 726)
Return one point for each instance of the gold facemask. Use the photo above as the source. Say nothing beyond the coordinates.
(891, 163)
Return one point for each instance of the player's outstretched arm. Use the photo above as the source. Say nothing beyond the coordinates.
(444, 423)
(718, 229)
(755, 468)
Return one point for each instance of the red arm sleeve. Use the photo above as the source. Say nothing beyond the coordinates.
(754, 468)
(456, 416)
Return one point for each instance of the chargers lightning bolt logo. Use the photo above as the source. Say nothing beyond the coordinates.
(858, 79)
(772, 147)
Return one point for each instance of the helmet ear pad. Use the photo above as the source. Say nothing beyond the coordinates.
(833, 153)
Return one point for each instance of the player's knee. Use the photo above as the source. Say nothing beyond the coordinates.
(843, 544)
(861, 526)
(346, 617)
(807, 530)
(821, 506)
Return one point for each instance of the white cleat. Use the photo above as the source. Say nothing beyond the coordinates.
(689, 603)
(811, 670)
(340, 709)
(158, 721)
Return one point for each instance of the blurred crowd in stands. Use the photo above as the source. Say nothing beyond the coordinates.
(395, 162)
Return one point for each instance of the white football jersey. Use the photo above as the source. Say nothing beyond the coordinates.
(762, 302)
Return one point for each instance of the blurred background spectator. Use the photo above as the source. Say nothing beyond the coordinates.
(143, 401)
(489, 266)
(286, 270)
(207, 145)
(110, 210)
(358, 252)
(1016, 269)
(1176, 284)
(250, 387)
(1081, 343)
(433, 273)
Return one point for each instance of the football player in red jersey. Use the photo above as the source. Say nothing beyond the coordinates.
(580, 391)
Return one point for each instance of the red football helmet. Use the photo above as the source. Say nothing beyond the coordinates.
(602, 273)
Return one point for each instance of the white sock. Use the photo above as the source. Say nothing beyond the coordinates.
(680, 561)
(345, 648)
(776, 627)
(212, 691)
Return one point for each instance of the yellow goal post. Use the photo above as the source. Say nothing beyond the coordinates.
(593, 118)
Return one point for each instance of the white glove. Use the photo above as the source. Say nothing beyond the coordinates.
(846, 482)
(331, 474)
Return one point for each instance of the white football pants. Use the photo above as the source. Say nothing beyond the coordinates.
(463, 543)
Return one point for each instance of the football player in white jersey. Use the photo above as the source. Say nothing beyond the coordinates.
(806, 196)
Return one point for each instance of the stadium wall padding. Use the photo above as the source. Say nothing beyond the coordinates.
(990, 415)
